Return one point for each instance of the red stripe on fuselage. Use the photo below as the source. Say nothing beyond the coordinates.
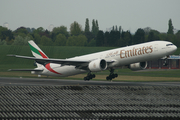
(43, 55)
(50, 69)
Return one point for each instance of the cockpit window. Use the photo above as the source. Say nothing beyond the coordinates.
(169, 44)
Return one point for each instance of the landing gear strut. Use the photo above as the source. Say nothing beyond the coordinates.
(165, 61)
(111, 75)
(89, 76)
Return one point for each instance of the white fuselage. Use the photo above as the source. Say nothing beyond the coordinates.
(120, 57)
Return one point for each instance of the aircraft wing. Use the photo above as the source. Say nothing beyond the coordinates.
(44, 61)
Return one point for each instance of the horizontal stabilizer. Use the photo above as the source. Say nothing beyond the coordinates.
(25, 70)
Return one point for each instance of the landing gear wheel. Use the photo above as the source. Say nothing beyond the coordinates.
(108, 78)
(89, 76)
(86, 78)
(111, 75)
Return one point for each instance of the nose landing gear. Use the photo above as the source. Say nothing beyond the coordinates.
(165, 61)
(111, 75)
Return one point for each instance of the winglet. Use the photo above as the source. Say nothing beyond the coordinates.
(36, 51)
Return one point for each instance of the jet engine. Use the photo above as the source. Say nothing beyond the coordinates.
(97, 65)
(138, 66)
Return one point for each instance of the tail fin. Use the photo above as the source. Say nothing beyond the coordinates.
(36, 51)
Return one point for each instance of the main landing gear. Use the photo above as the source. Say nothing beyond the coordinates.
(89, 76)
(111, 75)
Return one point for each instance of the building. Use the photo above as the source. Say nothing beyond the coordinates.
(173, 62)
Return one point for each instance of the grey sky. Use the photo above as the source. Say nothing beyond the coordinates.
(130, 14)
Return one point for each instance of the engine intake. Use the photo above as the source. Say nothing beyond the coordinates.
(97, 65)
(138, 66)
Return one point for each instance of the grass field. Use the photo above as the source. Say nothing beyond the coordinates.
(67, 52)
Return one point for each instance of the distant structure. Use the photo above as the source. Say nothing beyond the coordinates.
(109, 29)
(6, 25)
(50, 28)
(173, 62)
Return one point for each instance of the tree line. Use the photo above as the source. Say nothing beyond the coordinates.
(90, 36)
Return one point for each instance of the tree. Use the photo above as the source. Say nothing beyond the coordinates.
(45, 33)
(71, 41)
(139, 36)
(178, 35)
(21, 30)
(37, 38)
(92, 43)
(87, 29)
(89, 36)
(162, 36)
(2, 30)
(46, 41)
(116, 28)
(150, 36)
(2, 42)
(75, 29)
(106, 38)
(177, 39)
(127, 38)
(147, 30)
(155, 35)
(120, 29)
(100, 38)
(95, 27)
(114, 36)
(170, 28)
(80, 40)
(60, 40)
(40, 29)
(19, 40)
(59, 30)
(6, 35)
(87, 32)
(30, 30)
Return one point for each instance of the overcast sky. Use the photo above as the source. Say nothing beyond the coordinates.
(130, 14)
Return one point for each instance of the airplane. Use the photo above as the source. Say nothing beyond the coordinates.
(134, 56)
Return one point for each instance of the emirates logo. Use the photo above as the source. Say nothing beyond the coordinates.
(94, 65)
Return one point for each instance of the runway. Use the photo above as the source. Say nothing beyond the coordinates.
(64, 82)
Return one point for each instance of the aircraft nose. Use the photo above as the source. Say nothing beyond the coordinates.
(175, 48)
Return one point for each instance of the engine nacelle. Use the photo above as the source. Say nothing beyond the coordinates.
(138, 66)
(97, 65)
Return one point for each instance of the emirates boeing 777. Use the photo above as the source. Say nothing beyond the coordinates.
(134, 56)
